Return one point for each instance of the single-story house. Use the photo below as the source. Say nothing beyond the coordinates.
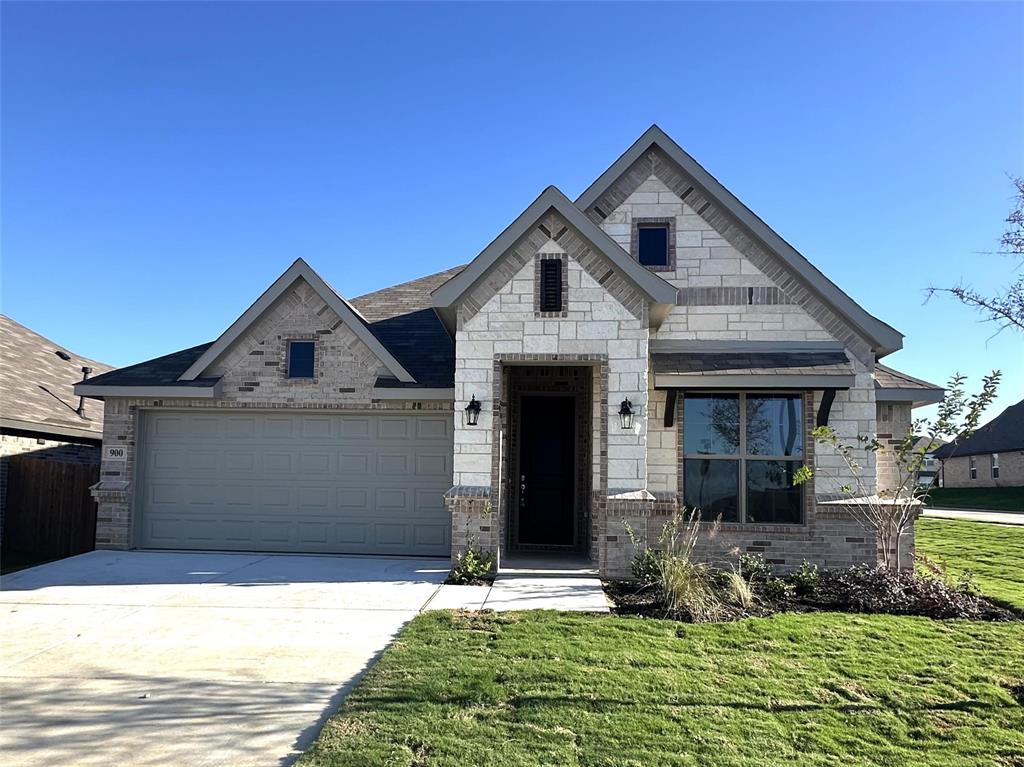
(649, 346)
(40, 415)
(993, 456)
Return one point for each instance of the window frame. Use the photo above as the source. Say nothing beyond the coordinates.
(972, 466)
(741, 457)
(666, 222)
(994, 462)
(288, 359)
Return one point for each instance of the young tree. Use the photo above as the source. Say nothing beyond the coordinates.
(890, 513)
(1005, 308)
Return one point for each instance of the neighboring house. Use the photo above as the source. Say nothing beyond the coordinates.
(993, 456)
(40, 415)
(651, 345)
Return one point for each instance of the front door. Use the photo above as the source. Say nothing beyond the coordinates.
(547, 475)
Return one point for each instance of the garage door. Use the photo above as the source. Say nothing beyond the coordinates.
(295, 481)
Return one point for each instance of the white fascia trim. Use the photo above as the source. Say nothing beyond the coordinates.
(341, 307)
(413, 394)
(183, 392)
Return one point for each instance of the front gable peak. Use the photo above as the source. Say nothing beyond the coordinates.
(551, 206)
(656, 155)
(298, 271)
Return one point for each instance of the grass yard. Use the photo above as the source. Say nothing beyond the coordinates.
(991, 498)
(815, 689)
(993, 553)
(546, 688)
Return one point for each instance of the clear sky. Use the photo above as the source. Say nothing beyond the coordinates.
(164, 163)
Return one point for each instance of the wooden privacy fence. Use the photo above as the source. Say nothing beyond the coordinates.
(49, 510)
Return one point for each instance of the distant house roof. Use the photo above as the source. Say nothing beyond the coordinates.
(1003, 434)
(893, 386)
(37, 382)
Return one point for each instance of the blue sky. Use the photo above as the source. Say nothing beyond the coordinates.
(164, 163)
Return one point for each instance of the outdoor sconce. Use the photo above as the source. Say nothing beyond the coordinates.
(626, 414)
(472, 412)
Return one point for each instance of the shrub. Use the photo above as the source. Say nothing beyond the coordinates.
(805, 579)
(756, 569)
(778, 590)
(471, 566)
(901, 592)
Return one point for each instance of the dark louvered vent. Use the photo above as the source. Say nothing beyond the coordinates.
(551, 285)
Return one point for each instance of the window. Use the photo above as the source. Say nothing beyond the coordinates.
(972, 462)
(551, 285)
(995, 465)
(652, 244)
(740, 454)
(300, 359)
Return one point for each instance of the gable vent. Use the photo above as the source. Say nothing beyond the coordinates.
(551, 285)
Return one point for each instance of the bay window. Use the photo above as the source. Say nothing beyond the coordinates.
(740, 454)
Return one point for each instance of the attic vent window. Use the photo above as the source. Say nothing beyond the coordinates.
(300, 359)
(652, 243)
(551, 285)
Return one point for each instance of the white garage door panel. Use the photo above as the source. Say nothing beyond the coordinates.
(280, 481)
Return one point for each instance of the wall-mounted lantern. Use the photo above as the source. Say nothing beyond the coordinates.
(626, 414)
(472, 412)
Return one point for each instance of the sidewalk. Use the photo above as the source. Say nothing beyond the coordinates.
(535, 583)
(977, 515)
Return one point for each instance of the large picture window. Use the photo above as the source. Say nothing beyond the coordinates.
(740, 454)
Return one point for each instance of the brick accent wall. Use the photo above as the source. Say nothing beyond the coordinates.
(894, 420)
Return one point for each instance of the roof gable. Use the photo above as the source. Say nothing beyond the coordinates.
(298, 270)
(701, 190)
(447, 297)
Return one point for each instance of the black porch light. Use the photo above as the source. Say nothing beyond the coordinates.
(472, 412)
(626, 414)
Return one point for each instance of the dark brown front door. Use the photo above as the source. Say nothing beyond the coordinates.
(547, 476)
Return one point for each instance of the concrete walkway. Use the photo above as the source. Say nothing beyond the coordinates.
(535, 583)
(199, 659)
(977, 515)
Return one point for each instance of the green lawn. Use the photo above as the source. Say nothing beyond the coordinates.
(993, 553)
(991, 498)
(817, 689)
(546, 688)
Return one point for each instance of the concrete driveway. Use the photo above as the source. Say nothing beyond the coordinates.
(153, 658)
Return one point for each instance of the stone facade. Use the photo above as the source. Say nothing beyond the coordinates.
(956, 471)
(729, 289)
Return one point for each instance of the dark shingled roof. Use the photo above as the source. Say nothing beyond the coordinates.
(1003, 434)
(37, 386)
(751, 363)
(401, 317)
(162, 371)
